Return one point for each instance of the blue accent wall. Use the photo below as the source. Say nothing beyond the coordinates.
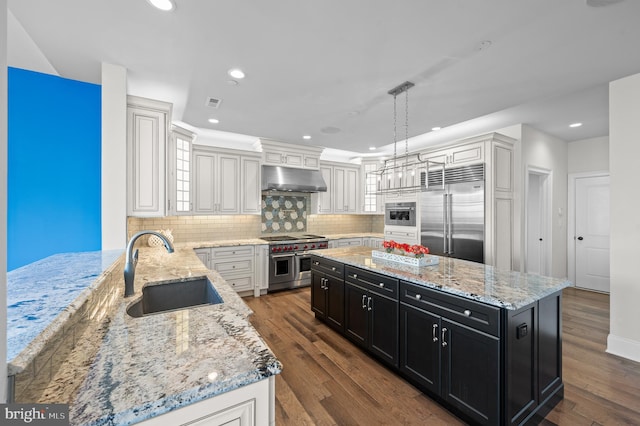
(54, 181)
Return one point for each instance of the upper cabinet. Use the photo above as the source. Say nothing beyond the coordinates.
(147, 130)
(276, 153)
(343, 188)
(219, 176)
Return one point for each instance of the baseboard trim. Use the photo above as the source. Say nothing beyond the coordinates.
(623, 347)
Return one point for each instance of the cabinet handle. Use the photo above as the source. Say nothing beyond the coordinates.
(316, 263)
(368, 304)
(326, 284)
(333, 268)
(381, 285)
(364, 303)
(444, 335)
(434, 332)
(355, 275)
(467, 312)
(418, 296)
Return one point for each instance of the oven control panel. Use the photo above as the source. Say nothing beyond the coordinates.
(296, 247)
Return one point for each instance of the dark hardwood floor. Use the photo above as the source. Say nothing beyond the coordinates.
(326, 380)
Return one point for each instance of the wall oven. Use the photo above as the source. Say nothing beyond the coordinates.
(400, 214)
(289, 260)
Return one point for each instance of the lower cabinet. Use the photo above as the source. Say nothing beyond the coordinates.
(250, 405)
(371, 313)
(489, 365)
(236, 264)
(327, 292)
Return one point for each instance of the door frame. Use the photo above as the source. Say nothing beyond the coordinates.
(571, 219)
(547, 220)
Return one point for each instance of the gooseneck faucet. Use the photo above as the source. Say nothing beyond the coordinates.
(132, 259)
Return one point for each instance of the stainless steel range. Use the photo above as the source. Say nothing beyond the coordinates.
(289, 260)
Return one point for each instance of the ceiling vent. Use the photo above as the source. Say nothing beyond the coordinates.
(213, 102)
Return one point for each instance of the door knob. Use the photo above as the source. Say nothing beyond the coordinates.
(580, 238)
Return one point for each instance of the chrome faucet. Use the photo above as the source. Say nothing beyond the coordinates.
(132, 259)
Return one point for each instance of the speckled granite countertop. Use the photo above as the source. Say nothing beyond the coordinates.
(41, 296)
(147, 366)
(483, 283)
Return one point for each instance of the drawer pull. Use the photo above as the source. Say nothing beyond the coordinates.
(467, 312)
(381, 285)
(419, 296)
(355, 275)
(333, 268)
(316, 263)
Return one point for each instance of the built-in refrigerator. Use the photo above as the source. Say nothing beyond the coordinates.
(452, 215)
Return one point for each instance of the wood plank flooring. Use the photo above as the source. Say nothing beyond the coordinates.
(326, 380)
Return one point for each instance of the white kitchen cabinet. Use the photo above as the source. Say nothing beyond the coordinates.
(402, 234)
(345, 189)
(345, 242)
(342, 192)
(374, 242)
(216, 182)
(458, 155)
(261, 284)
(204, 254)
(250, 405)
(369, 181)
(324, 201)
(236, 265)
(147, 130)
(251, 185)
(276, 153)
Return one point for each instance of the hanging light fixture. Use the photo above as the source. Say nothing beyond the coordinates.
(399, 173)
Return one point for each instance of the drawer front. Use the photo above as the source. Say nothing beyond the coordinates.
(240, 283)
(327, 266)
(236, 251)
(233, 266)
(376, 283)
(474, 314)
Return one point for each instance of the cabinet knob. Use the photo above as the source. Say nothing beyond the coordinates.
(333, 268)
(316, 263)
(467, 312)
(355, 275)
(418, 296)
(381, 284)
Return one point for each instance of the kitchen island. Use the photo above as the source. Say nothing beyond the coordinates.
(485, 343)
(166, 368)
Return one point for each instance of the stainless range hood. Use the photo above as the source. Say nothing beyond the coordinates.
(278, 178)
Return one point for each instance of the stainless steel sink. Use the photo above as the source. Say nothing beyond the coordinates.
(173, 296)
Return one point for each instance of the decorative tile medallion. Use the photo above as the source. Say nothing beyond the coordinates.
(284, 213)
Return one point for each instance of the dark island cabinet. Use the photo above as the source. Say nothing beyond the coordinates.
(456, 362)
(488, 365)
(371, 317)
(327, 291)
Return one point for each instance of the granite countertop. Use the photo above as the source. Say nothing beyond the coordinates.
(148, 366)
(42, 295)
(476, 281)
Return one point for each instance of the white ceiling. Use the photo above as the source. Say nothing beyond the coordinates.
(324, 67)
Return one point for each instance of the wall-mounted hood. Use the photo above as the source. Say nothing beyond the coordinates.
(277, 178)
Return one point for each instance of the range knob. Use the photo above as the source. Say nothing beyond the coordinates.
(306, 246)
(295, 247)
(313, 246)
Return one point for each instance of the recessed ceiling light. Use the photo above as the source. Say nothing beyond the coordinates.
(232, 82)
(165, 5)
(372, 148)
(575, 125)
(214, 121)
(307, 137)
(435, 129)
(236, 73)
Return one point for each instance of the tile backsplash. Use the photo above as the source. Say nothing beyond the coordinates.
(284, 213)
(229, 227)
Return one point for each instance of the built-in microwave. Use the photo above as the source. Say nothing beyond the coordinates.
(400, 214)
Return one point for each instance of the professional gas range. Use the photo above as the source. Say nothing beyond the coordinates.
(289, 262)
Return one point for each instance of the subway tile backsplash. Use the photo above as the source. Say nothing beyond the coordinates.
(229, 227)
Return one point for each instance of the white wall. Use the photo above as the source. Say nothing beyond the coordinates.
(589, 155)
(3, 200)
(543, 151)
(114, 156)
(624, 151)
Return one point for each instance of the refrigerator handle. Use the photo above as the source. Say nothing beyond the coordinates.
(445, 215)
(450, 205)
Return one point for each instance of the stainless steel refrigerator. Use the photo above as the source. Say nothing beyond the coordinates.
(452, 215)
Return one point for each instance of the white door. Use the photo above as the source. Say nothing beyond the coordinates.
(538, 219)
(592, 233)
